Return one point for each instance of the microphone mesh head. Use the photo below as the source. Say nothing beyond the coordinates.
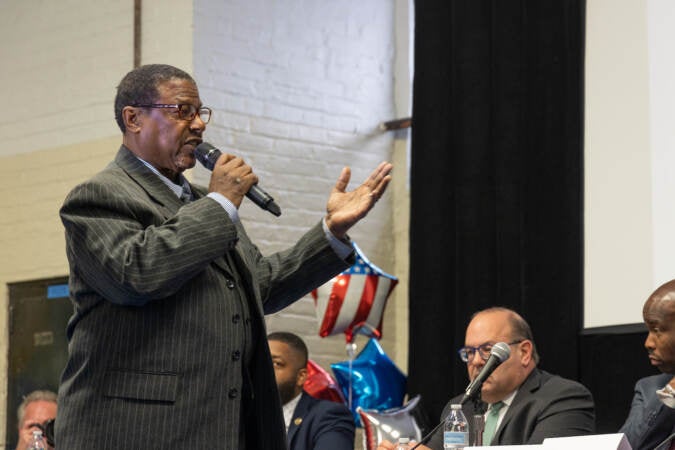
(207, 154)
(501, 350)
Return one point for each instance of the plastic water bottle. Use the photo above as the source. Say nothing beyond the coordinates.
(402, 443)
(37, 442)
(456, 429)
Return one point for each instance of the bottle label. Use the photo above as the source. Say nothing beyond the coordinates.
(455, 437)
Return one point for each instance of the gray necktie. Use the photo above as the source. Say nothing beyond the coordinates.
(186, 195)
(491, 422)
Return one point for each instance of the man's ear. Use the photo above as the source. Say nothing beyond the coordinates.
(525, 348)
(131, 116)
(301, 377)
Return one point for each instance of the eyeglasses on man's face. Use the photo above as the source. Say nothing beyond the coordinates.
(467, 353)
(186, 111)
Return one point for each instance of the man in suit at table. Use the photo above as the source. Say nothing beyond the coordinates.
(311, 423)
(652, 415)
(525, 405)
(167, 344)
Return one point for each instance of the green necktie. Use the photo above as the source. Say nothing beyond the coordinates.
(491, 422)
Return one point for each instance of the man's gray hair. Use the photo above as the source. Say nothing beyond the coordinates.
(35, 396)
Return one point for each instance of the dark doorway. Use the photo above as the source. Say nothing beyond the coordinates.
(38, 313)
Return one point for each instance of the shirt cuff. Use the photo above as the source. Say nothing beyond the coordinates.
(667, 396)
(341, 248)
(227, 205)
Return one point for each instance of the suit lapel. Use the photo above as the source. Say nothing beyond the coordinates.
(160, 193)
(531, 384)
(167, 202)
(298, 416)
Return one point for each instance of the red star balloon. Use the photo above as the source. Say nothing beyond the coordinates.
(320, 384)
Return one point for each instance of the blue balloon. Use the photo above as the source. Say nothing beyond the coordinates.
(376, 382)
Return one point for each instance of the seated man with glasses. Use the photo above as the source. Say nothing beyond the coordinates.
(525, 405)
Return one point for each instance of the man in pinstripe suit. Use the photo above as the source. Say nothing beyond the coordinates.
(167, 346)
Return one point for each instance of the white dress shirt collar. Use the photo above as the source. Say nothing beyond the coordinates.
(177, 189)
(507, 404)
(289, 409)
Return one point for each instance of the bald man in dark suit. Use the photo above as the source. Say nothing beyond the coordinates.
(528, 404)
(167, 343)
(651, 421)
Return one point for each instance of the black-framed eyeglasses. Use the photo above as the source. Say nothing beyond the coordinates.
(466, 354)
(186, 111)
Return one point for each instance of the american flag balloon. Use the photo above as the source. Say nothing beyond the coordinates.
(354, 300)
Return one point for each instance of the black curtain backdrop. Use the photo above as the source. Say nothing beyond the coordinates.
(496, 181)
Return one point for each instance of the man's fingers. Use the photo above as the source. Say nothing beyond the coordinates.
(376, 182)
(378, 175)
(343, 179)
(385, 445)
(382, 185)
(379, 179)
(224, 159)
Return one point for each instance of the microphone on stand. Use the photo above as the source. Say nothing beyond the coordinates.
(500, 352)
(207, 154)
(479, 408)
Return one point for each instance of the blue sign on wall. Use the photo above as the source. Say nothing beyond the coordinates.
(57, 291)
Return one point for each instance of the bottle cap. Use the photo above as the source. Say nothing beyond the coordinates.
(403, 440)
(456, 406)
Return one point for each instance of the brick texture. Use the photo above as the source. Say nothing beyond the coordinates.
(298, 89)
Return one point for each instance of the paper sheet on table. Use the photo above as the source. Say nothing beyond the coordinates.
(615, 441)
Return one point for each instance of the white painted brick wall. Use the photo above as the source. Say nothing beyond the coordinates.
(61, 62)
(298, 89)
(166, 33)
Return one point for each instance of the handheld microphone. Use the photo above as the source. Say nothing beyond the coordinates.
(207, 154)
(500, 352)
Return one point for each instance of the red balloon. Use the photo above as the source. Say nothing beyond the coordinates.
(320, 384)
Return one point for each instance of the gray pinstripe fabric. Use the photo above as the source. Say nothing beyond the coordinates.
(167, 308)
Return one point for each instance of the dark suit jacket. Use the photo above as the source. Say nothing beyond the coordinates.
(168, 297)
(545, 406)
(649, 421)
(320, 425)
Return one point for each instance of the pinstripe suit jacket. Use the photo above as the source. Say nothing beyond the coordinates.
(166, 297)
